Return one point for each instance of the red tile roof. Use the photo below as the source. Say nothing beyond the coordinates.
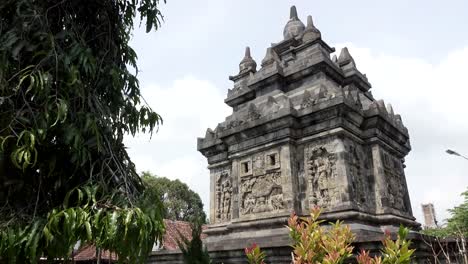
(171, 236)
(88, 253)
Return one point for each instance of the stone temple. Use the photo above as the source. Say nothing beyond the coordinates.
(305, 131)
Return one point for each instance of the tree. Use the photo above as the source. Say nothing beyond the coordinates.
(450, 240)
(180, 203)
(193, 251)
(458, 221)
(68, 96)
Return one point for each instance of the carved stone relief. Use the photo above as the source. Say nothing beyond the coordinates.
(261, 191)
(359, 185)
(321, 177)
(223, 196)
(396, 189)
(253, 113)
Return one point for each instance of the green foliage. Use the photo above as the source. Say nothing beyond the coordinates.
(128, 231)
(397, 252)
(192, 249)
(313, 243)
(180, 203)
(67, 98)
(457, 224)
(394, 251)
(255, 255)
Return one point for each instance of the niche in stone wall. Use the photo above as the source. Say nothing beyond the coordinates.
(245, 167)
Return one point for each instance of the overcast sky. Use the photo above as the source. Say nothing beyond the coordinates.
(415, 54)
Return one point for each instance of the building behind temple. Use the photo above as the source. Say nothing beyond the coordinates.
(430, 220)
(305, 131)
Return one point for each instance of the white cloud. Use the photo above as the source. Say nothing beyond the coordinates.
(432, 101)
(188, 107)
(430, 97)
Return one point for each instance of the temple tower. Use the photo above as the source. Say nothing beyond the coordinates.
(305, 131)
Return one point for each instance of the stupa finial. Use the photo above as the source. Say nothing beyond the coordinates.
(345, 57)
(247, 64)
(247, 52)
(293, 13)
(294, 27)
(311, 33)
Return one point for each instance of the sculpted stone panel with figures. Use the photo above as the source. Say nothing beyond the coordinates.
(223, 195)
(320, 165)
(261, 191)
(395, 182)
(358, 164)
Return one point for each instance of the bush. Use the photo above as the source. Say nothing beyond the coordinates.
(313, 243)
(255, 255)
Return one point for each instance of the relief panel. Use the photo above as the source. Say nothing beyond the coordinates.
(359, 174)
(223, 195)
(321, 175)
(395, 185)
(262, 191)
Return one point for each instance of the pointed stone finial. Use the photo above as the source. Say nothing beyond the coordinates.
(293, 13)
(294, 27)
(247, 52)
(270, 57)
(310, 22)
(247, 64)
(335, 59)
(398, 119)
(210, 134)
(311, 33)
(345, 58)
(382, 107)
(390, 110)
(374, 105)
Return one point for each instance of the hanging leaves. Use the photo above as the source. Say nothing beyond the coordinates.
(68, 95)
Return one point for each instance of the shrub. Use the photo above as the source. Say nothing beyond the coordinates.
(255, 255)
(313, 243)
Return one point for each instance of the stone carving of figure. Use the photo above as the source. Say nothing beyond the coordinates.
(249, 204)
(395, 186)
(321, 165)
(358, 183)
(226, 200)
(277, 201)
(223, 197)
(262, 206)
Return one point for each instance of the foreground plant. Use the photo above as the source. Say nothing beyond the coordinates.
(313, 243)
(255, 255)
(68, 95)
(397, 251)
